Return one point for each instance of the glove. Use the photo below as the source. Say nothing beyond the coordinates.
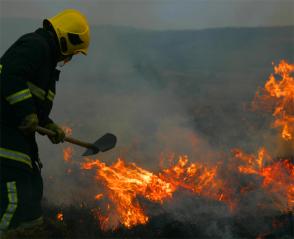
(59, 133)
(29, 124)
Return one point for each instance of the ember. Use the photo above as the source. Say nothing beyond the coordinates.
(67, 151)
(59, 216)
(99, 196)
(67, 130)
(67, 154)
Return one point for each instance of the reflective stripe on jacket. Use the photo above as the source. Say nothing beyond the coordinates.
(27, 83)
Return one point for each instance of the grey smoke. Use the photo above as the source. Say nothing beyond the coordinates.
(161, 92)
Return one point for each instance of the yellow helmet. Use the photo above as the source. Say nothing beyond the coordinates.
(72, 30)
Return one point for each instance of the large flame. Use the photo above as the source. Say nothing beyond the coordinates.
(278, 97)
(125, 184)
(277, 177)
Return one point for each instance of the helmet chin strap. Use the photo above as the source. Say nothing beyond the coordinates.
(64, 61)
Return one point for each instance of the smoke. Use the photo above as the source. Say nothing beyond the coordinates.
(156, 112)
(108, 94)
(162, 93)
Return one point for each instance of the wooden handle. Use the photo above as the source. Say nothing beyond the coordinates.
(79, 142)
(68, 139)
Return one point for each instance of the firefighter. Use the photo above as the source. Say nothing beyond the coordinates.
(28, 76)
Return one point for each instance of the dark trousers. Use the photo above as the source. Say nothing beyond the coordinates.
(21, 194)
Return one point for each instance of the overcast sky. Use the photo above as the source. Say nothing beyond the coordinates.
(162, 14)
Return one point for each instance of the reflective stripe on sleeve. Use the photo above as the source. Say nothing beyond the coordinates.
(1, 68)
(50, 95)
(15, 155)
(12, 205)
(19, 96)
(36, 91)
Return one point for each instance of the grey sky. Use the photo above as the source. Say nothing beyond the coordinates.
(162, 14)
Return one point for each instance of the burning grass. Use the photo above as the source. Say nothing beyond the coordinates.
(240, 183)
(125, 183)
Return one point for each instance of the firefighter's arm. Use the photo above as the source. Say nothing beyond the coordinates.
(18, 66)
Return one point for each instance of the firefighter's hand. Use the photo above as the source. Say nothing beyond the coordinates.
(59, 133)
(29, 124)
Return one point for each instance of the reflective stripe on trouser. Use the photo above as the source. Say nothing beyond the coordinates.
(19, 96)
(15, 155)
(12, 205)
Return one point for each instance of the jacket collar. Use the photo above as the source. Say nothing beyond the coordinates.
(54, 48)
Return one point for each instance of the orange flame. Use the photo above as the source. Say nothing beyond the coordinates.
(68, 151)
(124, 183)
(278, 177)
(59, 216)
(99, 196)
(278, 95)
(67, 154)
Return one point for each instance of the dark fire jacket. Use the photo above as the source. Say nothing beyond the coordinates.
(27, 83)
